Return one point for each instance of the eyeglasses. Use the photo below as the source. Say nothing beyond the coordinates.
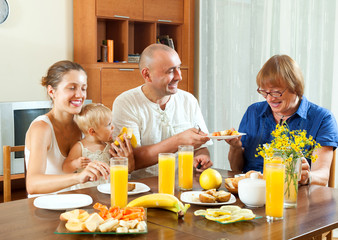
(274, 94)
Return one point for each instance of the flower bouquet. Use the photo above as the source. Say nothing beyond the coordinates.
(291, 146)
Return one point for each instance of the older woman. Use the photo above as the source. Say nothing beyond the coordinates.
(281, 83)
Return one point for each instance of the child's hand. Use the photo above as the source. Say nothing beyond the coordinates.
(94, 171)
(82, 162)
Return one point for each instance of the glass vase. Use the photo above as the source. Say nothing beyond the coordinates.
(292, 175)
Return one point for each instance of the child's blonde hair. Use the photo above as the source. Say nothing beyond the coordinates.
(92, 115)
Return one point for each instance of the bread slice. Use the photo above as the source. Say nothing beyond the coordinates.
(248, 174)
(131, 186)
(228, 182)
(207, 198)
(222, 196)
(211, 192)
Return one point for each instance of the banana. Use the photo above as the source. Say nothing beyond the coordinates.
(161, 200)
(130, 135)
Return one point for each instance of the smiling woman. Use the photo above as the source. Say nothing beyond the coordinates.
(252, 32)
(51, 136)
(281, 82)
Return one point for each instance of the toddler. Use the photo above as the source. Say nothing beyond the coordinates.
(95, 121)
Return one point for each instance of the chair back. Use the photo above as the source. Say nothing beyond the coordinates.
(7, 176)
(332, 171)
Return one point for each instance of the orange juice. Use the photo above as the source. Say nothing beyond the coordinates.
(275, 173)
(166, 173)
(185, 167)
(119, 185)
(275, 159)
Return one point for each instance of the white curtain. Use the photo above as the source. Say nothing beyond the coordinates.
(236, 37)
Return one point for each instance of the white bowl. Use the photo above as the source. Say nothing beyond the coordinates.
(251, 191)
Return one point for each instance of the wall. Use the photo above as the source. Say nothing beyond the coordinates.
(35, 35)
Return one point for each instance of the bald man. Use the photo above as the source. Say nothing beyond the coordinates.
(161, 115)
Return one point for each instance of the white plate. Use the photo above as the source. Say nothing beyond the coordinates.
(192, 197)
(139, 188)
(63, 201)
(225, 137)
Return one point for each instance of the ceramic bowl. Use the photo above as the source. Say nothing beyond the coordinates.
(251, 191)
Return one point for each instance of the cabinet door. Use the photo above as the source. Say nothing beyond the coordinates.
(132, 9)
(116, 81)
(164, 10)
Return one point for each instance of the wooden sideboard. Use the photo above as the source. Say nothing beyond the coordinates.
(132, 25)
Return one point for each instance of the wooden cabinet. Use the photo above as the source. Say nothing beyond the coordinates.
(132, 25)
(116, 81)
(164, 10)
(127, 9)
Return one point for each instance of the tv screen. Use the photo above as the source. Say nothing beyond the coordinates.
(22, 120)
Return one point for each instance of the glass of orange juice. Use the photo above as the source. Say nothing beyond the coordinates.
(166, 173)
(277, 158)
(274, 177)
(119, 181)
(185, 166)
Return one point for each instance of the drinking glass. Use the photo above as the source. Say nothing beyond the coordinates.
(166, 173)
(119, 181)
(274, 177)
(185, 166)
(276, 158)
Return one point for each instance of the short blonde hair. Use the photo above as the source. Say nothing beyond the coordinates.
(92, 115)
(282, 69)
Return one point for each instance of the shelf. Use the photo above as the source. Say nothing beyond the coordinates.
(132, 25)
(141, 35)
(116, 30)
(173, 31)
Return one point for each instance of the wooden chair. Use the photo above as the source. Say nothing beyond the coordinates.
(7, 176)
(331, 183)
(332, 171)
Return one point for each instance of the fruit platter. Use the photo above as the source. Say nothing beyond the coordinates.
(115, 220)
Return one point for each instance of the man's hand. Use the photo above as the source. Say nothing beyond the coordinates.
(192, 137)
(203, 162)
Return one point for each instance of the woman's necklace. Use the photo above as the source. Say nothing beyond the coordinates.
(282, 117)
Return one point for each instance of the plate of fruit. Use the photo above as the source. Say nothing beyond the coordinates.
(226, 134)
(227, 214)
(103, 220)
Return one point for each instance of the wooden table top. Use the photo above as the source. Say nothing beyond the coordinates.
(316, 213)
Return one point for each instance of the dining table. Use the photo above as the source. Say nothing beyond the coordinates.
(315, 214)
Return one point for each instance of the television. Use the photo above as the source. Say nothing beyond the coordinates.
(15, 119)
